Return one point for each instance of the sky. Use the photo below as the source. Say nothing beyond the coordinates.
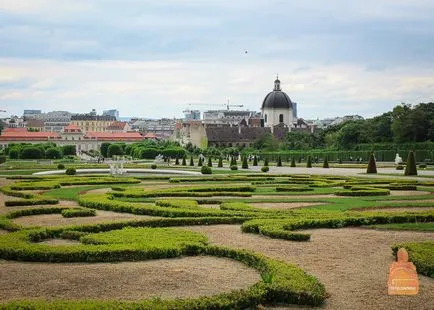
(155, 59)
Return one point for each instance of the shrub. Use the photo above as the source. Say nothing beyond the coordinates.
(2, 159)
(184, 162)
(293, 162)
(209, 162)
(255, 161)
(60, 166)
(340, 161)
(422, 166)
(206, 170)
(114, 149)
(234, 167)
(279, 161)
(265, 169)
(372, 167)
(400, 167)
(70, 171)
(421, 254)
(410, 168)
(78, 212)
(200, 163)
(191, 161)
(30, 202)
(14, 154)
(326, 162)
(266, 161)
(177, 161)
(153, 166)
(70, 150)
(104, 149)
(53, 153)
(309, 162)
(245, 165)
(31, 152)
(220, 164)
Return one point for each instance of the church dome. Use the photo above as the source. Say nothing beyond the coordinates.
(277, 99)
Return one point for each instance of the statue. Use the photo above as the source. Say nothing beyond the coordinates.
(403, 276)
(398, 159)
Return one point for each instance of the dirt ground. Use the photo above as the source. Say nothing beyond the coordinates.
(166, 278)
(352, 263)
(408, 193)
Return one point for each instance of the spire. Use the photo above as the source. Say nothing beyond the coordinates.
(277, 83)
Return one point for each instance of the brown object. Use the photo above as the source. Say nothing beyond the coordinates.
(403, 276)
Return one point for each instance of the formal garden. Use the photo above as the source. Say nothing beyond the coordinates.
(238, 240)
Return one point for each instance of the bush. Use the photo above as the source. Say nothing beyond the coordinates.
(69, 150)
(31, 152)
(114, 149)
(234, 167)
(209, 162)
(53, 153)
(279, 161)
(372, 167)
(200, 163)
(78, 212)
(293, 162)
(422, 166)
(326, 162)
(206, 170)
(30, 202)
(400, 167)
(255, 161)
(309, 162)
(104, 149)
(177, 161)
(184, 162)
(245, 165)
(2, 159)
(266, 161)
(153, 166)
(421, 254)
(410, 168)
(14, 154)
(70, 171)
(191, 161)
(265, 169)
(220, 164)
(60, 166)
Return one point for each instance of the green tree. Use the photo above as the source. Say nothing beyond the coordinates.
(31, 152)
(220, 164)
(266, 161)
(255, 161)
(199, 163)
(184, 162)
(53, 153)
(267, 142)
(279, 161)
(104, 149)
(209, 161)
(69, 150)
(114, 149)
(191, 161)
(244, 164)
(177, 161)
(14, 153)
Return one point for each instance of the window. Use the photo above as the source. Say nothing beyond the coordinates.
(280, 118)
(265, 117)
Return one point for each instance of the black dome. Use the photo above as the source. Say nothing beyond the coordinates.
(277, 100)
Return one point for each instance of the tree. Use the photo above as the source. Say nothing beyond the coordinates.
(69, 150)
(309, 162)
(114, 149)
(279, 161)
(410, 168)
(326, 162)
(199, 163)
(245, 165)
(53, 153)
(184, 162)
(209, 162)
(293, 162)
(267, 142)
(372, 167)
(14, 153)
(31, 152)
(104, 149)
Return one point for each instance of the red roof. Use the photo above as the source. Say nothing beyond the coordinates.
(150, 136)
(72, 128)
(117, 126)
(8, 135)
(21, 129)
(111, 136)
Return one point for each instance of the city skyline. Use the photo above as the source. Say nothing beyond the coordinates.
(150, 60)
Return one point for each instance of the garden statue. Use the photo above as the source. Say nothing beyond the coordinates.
(403, 276)
(398, 159)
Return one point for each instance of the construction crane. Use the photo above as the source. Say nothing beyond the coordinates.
(228, 105)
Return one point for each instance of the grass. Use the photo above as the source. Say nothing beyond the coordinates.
(70, 193)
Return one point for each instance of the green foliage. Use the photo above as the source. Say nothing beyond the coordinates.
(177, 161)
(71, 171)
(309, 162)
(220, 164)
(234, 167)
(114, 149)
(60, 166)
(265, 169)
(399, 167)
(372, 166)
(209, 161)
(191, 161)
(53, 153)
(14, 153)
(70, 150)
(31, 152)
(244, 164)
(326, 162)
(200, 163)
(279, 161)
(206, 170)
(78, 212)
(293, 162)
(153, 166)
(184, 163)
(410, 168)
(30, 202)
(421, 254)
(255, 161)
(266, 161)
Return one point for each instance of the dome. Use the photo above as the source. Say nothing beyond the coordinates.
(277, 99)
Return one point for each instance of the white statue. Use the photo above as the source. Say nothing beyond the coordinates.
(398, 159)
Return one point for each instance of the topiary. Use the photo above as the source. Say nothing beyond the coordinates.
(199, 163)
(191, 161)
(422, 166)
(279, 161)
(410, 169)
(400, 167)
(265, 169)
(293, 162)
(309, 162)
(206, 170)
(60, 166)
(220, 164)
(234, 167)
(266, 161)
(209, 162)
(71, 171)
(176, 161)
(245, 165)
(372, 167)
(184, 162)
(255, 161)
(340, 161)
(326, 162)
(153, 166)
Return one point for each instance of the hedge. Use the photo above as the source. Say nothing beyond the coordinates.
(31, 202)
(421, 254)
(78, 212)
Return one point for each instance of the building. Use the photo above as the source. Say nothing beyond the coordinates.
(118, 127)
(161, 128)
(31, 113)
(225, 117)
(277, 108)
(191, 115)
(33, 124)
(92, 122)
(54, 121)
(113, 112)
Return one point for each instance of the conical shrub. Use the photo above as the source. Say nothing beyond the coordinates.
(410, 168)
(184, 162)
(326, 162)
(372, 166)
(199, 163)
(309, 162)
(279, 161)
(209, 162)
(245, 165)
(293, 162)
(191, 161)
(255, 161)
(266, 161)
(177, 161)
(220, 164)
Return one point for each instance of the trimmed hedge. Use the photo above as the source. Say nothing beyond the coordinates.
(78, 212)
(31, 202)
(421, 254)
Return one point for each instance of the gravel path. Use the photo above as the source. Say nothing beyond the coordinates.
(352, 263)
(166, 278)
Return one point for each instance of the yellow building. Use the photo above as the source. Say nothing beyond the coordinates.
(92, 123)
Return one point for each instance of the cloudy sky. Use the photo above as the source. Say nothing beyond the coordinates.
(157, 58)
